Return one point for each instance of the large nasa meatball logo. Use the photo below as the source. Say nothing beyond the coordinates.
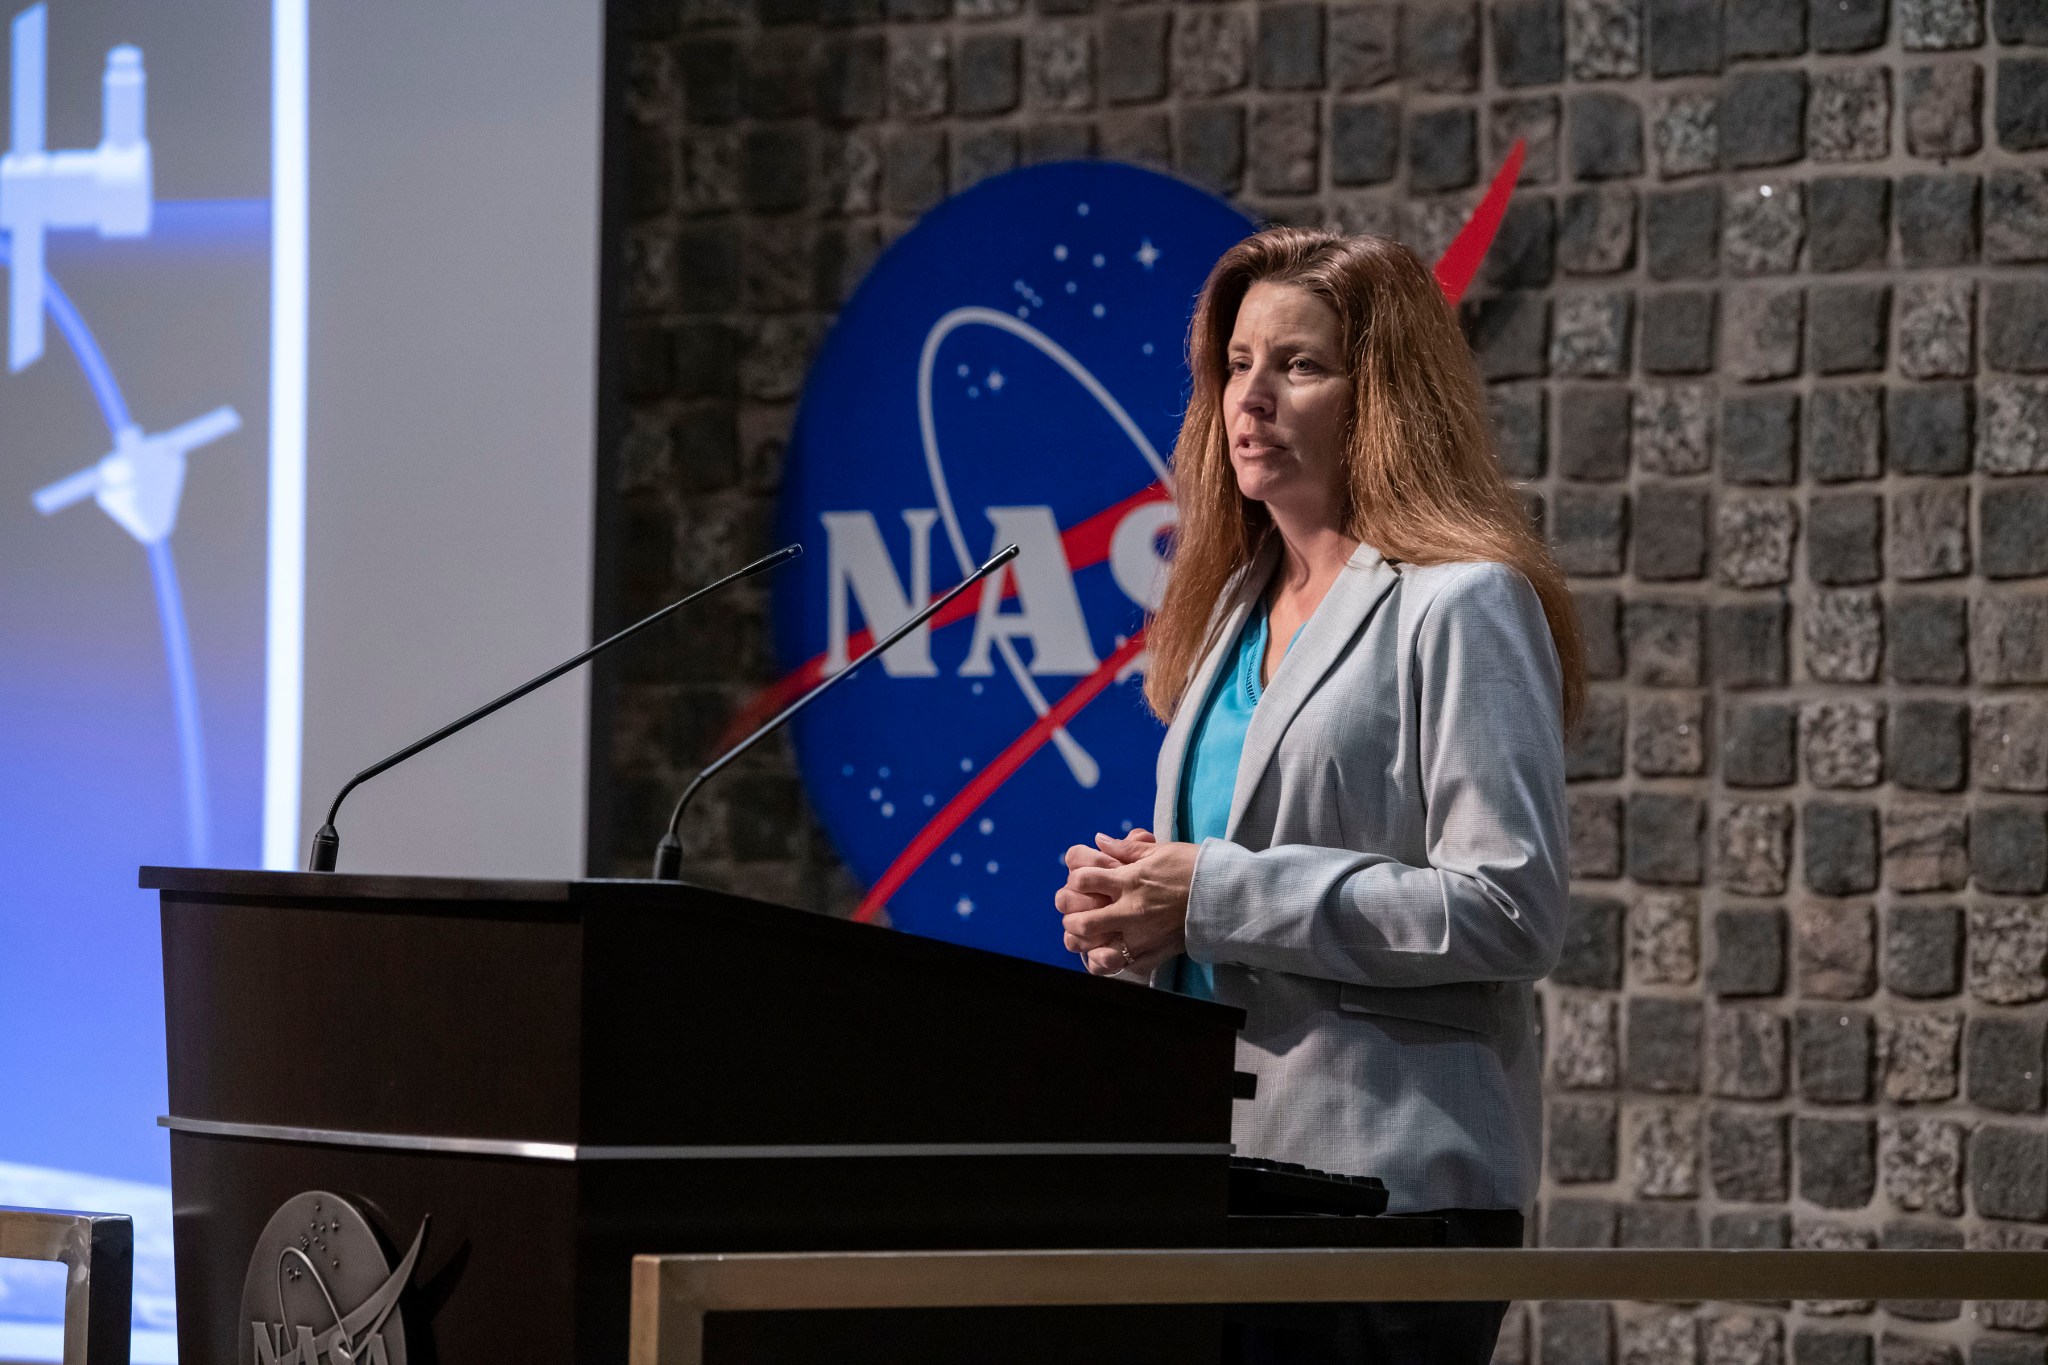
(320, 1289)
(1011, 370)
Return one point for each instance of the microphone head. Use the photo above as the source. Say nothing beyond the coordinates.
(1000, 558)
(326, 849)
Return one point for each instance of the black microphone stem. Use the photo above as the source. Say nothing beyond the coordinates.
(668, 854)
(327, 842)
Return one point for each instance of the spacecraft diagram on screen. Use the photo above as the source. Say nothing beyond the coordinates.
(140, 479)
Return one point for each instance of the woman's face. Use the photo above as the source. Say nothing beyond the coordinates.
(1287, 400)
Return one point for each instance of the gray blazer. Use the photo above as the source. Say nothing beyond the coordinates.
(1393, 879)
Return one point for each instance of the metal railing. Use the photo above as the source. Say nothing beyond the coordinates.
(97, 1251)
(671, 1294)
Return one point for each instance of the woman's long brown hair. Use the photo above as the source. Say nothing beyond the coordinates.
(1424, 484)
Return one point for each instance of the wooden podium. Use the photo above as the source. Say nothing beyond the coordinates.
(553, 1076)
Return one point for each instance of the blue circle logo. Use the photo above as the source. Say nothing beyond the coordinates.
(1011, 370)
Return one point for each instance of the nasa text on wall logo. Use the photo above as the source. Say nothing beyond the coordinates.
(320, 1288)
(1012, 369)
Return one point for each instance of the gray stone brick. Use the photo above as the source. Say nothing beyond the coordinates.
(1944, 109)
(1059, 67)
(2009, 745)
(1588, 530)
(1749, 644)
(1211, 49)
(1209, 144)
(1663, 939)
(709, 179)
(775, 169)
(1534, 122)
(920, 74)
(2021, 114)
(1523, 250)
(2016, 215)
(1659, 1225)
(1930, 532)
(2019, 21)
(1664, 642)
(1753, 847)
(1928, 745)
(1365, 142)
(1593, 432)
(1844, 636)
(1606, 136)
(1590, 334)
(709, 71)
(1575, 1333)
(1753, 539)
(1663, 1045)
(2008, 962)
(1442, 150)
(1591, 953)
(2012, 516)
(1291, 46)
(1926, 639)
(1598, 743)
(1586, 1053)
(1846, 25)
(1763, 116)
(1749, 1231)
(1600, 629)
(1582, 1141)
(1847, 327)
(1840, 742)
(1440, 45)
(1518, 415)
(1937, 219)
(2009, 1172)
(1837, 1162)
(1134, 52)
(1929, 428)
(1839, 848)
(1579, 1223)
(2009, 1350)
(1669, 736)
(1664, 838)
(853, 80)
(1597, 232)
(1595, 847)
(913, 170)
(1749, 952)
(1917, 1058)
(1757, 28)
(2016, 325)
(1673, 425)
(779, 76)
(1685, 37)
(1685, 134)
(1744, 1339)
(1762, 336)
(2009, 639)
(1651, 1336)
(1664, 1151)
(1923, 950)
(2006, 1060)
(1682, 233)
(979, 153)
(1835, 951)
(1141, 137)
(1849, 115)
(850, 173)
(1364, 45)
(1286, 146)
(1765, 226)
(1819, 1345)
(1603, 39)
(1833, 1063)
(1934, 25)
(1845, 432)
(1842, 538)
(1936, 328)
(1756, 745)
(1528, 41)
(1850, 219)
(1671, 534)
(1748, 1156)
(2013, 437)
(1746, 1054)
(2009, 849)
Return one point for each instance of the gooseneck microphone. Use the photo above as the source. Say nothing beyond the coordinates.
(327, 843)
(668, 854)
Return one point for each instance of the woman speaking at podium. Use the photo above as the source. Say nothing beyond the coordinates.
(1367, 660)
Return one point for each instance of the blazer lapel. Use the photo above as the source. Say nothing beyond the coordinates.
(1173, 750)
(1329, 631)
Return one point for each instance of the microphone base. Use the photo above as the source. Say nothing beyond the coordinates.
(326, 849)
(668, 859)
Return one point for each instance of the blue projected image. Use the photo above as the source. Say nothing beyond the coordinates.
(135, 649)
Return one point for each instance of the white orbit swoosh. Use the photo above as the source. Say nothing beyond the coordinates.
(1079, 761)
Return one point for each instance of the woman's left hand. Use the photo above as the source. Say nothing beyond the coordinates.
(1131, 914)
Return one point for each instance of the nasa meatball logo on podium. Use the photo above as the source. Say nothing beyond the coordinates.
(1011, 370)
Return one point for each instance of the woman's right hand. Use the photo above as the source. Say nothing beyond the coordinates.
(1104, 957)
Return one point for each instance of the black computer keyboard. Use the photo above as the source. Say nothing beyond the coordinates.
(1258, 1186)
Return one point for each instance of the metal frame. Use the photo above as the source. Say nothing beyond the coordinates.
(98, 1250)
(671, 1294)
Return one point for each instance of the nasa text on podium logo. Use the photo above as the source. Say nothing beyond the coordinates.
(1012, 369)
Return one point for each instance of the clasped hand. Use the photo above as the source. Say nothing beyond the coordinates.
(1126, 902)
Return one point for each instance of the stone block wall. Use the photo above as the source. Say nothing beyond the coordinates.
(1766, 329)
